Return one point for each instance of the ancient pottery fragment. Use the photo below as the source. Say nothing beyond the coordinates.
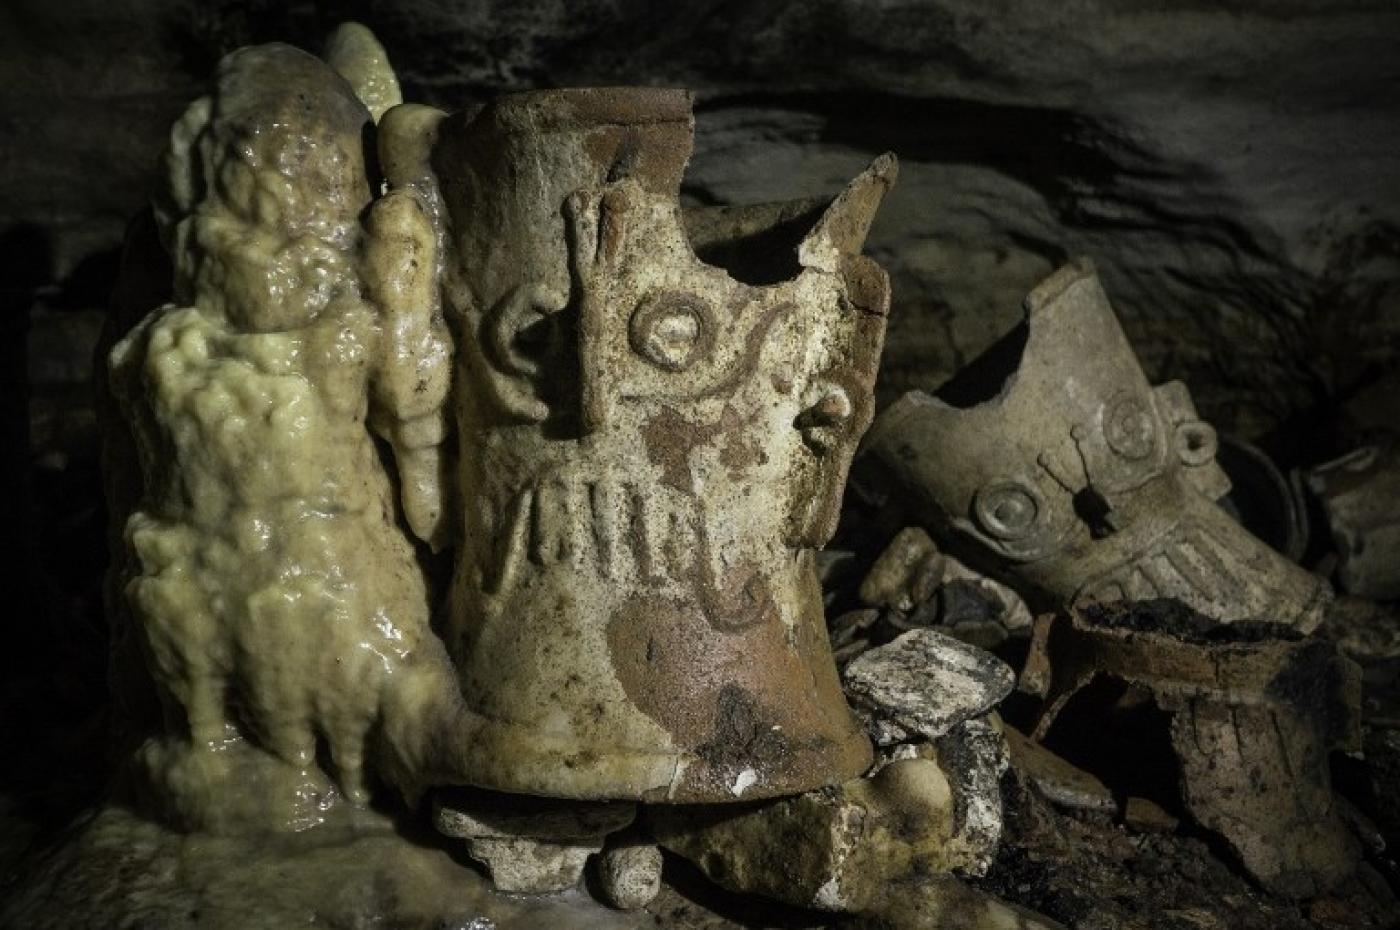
(1254, 710)
(656, 411)
(1051, 461)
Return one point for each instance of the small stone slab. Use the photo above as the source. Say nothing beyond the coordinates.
(926, 682)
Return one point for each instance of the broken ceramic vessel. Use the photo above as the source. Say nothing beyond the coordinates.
(657, 410)
(1051, 461)
(1255, 710)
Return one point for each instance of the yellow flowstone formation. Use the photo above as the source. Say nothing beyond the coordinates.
(274, 593)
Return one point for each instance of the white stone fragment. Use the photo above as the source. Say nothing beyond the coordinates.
(925, 682)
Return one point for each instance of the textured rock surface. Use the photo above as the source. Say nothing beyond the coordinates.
(525, 866)
(1232, 168)
(975, 756)
(926, 682)
(265, 583)
(836, 849)
(1090, 872)
(530, 845)
(906, 573)
(122, 871)
(932, 810)
(629, 875)
(947, 904)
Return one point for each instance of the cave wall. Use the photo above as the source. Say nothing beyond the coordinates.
(1234, 168)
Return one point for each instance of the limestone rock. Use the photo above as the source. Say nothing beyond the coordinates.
(528, 844)
(1382, 778)
(356, 55)
(931, 809)
(974, 754)
(918, 585)
(531, 866)
(276, 598)
(925, 683)
(835, 849)
(360, 870)
(1364, 630)
(851, 626)
(630, 875)
(1148, 816)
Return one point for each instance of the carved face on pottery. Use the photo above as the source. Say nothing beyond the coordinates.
(1052, 458)
(653, 444)
(738, 403)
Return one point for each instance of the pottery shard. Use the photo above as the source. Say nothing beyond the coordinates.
(925, 683)
(1256, 712)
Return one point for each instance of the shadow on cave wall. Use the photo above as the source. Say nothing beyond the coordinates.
(53, 665)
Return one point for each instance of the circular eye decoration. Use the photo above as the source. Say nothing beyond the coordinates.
(1008, 509)
(1195, 442)
(1128, 427)
(672, 330)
